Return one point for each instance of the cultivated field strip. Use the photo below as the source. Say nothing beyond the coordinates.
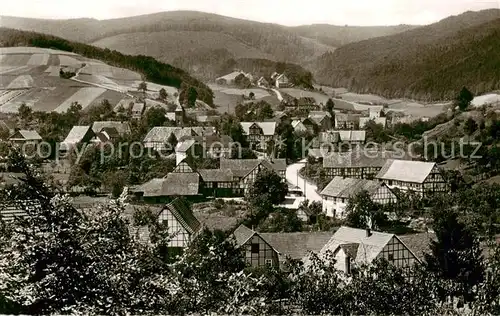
(84, 96)
(21, 82)
(16, 59)
(69, 61)
(53, 71)
(39, 59)
(51, 100)
(95, 68)
(7, 96)
(11, 69)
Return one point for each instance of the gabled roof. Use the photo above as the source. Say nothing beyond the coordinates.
(77, 134)
(347, 136)
(174, 184)
(242, 234)
(24, 134)
(184, 145)
(350, 249)
(216, 175)
(297, 245)
(123, 128)
(418, 243)
(231, 76)
(360, 158)
(348, 187)
(405, 170)
(184, 215)
(162, 133)
(239, 167)
(268, 128)
(369, 246)
(346, 117)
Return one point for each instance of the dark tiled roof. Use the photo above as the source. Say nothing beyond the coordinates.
(297, 245)
(13, 209)
(239, 167)
(419, 243)
(183, 213)
(242, 234)
(216, 175)
(348, 187)
(174, 184)
(359, 158)
(121, 127)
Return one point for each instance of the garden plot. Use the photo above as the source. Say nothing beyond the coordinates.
(125, 103)
(53, 97)
(21, 82)
(39, 59)
(84, 97)
(113, 97)
(32, 96)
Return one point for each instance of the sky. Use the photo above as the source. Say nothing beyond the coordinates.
(285, 12)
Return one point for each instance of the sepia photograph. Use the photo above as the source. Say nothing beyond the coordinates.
(232, 157)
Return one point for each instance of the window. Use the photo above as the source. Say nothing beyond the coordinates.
(391, 257)
(255, 248)
(348, 265)
(269, 262)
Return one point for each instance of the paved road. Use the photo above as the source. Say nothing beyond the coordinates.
(307, 188)
(278, 94)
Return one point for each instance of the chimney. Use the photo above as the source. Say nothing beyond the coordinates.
(368, 232)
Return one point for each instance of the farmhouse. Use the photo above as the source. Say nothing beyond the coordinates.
(258, 252)
(138, 110)
(352, 247)
(177, 115)
(424, 178)
(346, 121)
(262, 82)
(322, 119)
(259, 133)
(182, 225)
(282, 81)
(218, 182)
(123, 128)
(335, 196)
(77, 135)
(23, 136)
(159, 138)
(298, 126)
(182, 182)
(357, 163)
(213, 146)
(352, 137)
(296, 246)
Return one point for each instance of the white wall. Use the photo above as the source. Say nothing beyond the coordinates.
(331, 207)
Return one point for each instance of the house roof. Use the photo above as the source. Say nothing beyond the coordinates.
(297, 245)
(123, 128)
(231, 76)
(241, 167)
(242, 234)
(162, 133)
(184, 145)
(24, 134)
(214, 140)
(346, 136)
(348, 187)
(76, 134)
(369, 246)
(174, 184)
(216, 175)
(405, 170)
(350, 249)
(183, 213)
(268, 128)
(360, 158)
(18, 208)
(138, 107)
(346, 117)
(418, 243)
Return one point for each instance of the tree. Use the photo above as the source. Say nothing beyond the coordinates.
(163, 94)
(464, 99)
(282, 221)
(192, 96)
(251, 95)
(155, 116)
(470, 126)
(330, 105)
(362, 212)
(25, 112)
(268, 186)
(143, 86)
(455, 255)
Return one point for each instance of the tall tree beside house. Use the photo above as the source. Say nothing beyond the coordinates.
(155, 116)
(192, 95)
(143, 86)
(268, 186)
(25, 112)
(455, 255)
(464, 99)
(163, 94)
(362, 212)
(231, 127)
(329, 106)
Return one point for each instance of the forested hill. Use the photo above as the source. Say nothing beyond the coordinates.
(152, 69)
(427, 63)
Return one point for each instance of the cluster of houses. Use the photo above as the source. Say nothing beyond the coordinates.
(278, 80)
(349, 246)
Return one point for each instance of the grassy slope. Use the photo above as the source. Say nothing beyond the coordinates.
(428, 63)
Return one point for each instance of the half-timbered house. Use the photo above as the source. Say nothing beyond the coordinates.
(258, 252)
(353, 247)
(336, 195)
(360, 164)
(259, 134)
(423, 178)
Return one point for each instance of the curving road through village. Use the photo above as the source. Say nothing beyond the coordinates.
(293, 176)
